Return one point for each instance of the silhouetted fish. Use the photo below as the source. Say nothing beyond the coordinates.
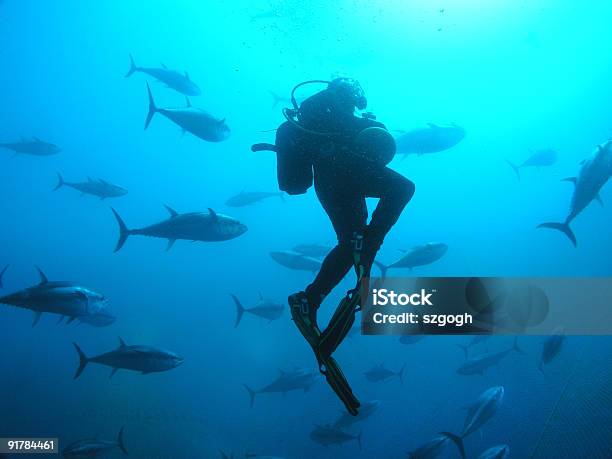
(99, 188)
(178, 81)
(541, 158)
(35, 147)
(264, 308)
(93, 447)
(145, 359)
(327, 435)
(191, 119)
(478, 365)
(593, 175)
(287, 381)
(296, 261)
(420, 255)
(192, 226)
(381, 373)
(552, 347)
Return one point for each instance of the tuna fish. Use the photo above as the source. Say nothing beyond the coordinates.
(93, 447)
(430, 450)
(328, 435)
(264, 308)
(381, 373)
(431, 139)
(63, 298)
(550, 350)
(247, 198)
(594, 173)
(296, 261)
(191, 119)
(541, 158)
(478, 365)
(145, 359)
(287, 381)
(496, 452)
(34, 147)
(100, 188)
(2, 275)
(366, 410)
(479, 413)
(178, 81)
(192, 226)
(420, 255)
(312, 250)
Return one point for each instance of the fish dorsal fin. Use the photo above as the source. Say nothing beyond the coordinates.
(89, 179)
(163, 65)
(187, 75)
(188, 101)
(213, 214)
(173, 213)
(38, 140)
(433, 125)
(103, 182)
(121, 343)
(43, 278)
(261, 296)
(582, 162)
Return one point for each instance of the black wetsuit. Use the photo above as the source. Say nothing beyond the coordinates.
(343, 182)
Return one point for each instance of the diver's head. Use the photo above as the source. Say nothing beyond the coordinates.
(349, 92)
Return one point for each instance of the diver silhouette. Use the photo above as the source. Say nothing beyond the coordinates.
(346, 157)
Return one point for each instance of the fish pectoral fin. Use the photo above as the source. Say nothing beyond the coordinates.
(170, 244)
(37, 316)
(599, 200)
(72, 319)
(113, 372)
(570, 179)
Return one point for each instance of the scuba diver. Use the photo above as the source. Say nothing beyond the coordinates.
(346, 157)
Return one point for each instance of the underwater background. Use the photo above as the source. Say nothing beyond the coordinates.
(518, 76)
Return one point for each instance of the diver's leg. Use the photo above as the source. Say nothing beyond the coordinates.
(348, 214)
(394, 192)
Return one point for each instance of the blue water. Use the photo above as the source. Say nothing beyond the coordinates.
(517, 75)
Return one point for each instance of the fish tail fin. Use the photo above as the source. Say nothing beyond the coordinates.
(133, 67)
(515, 346)
(383, 268)
(564, 228)
(239, 310)
(2, 275)
(60, 182)
(401, 373)
(275, 98)
(252, 395)
(358, 438)
(152, 107)
(457, 440)
(83, 361)
(120, 441)
(465, 348)
(515, 168)
(124, 232)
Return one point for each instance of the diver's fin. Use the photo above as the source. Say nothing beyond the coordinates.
(83, 361)
(124, 232)
(120, 442)
(60, 182)
(37, 316)
(239, 310)
(133, 67)
(252, 395)
(515, 168)
(564, 228)
(457, 440)
(340, 323)
(152, 107)
(2, 275)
